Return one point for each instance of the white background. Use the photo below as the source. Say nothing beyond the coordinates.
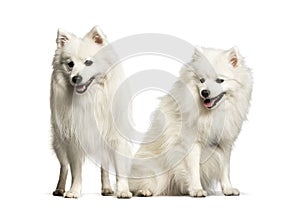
(265, 161)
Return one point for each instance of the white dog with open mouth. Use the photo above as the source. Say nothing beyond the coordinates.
(187, 149)
(82, 91)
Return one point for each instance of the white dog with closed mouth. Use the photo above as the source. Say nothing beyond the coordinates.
(187, 149)
(82, 91)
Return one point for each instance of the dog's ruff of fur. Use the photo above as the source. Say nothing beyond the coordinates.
(205, 153)
(86, 119)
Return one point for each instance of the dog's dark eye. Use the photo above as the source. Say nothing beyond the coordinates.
(219, 80)
(88, 62)
(202, 80)
(70, 64)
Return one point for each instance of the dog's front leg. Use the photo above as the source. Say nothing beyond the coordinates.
(122, 160)
(75, 160)
(225, 174)
(192, 163)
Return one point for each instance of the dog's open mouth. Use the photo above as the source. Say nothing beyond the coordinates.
(81, 88)
(210, 103)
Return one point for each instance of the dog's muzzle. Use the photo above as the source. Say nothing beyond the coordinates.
(210, 103)
(81, 88)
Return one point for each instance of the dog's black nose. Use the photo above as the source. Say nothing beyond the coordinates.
(77, 79)
(205, 93)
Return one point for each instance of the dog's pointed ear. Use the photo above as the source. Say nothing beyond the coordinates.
(62, 38)
(96, 35)
(234, 57)
(197, 52)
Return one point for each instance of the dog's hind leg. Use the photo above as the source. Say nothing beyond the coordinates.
(61, 156)
(60, 188)
(106, 188)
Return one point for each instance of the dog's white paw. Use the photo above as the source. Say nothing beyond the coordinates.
(124, 194)
(231, 192)
(58, 192)
(144, 193)
(198, 193)
(72, 194)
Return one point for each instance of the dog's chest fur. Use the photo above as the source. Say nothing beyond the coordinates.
(220, 127)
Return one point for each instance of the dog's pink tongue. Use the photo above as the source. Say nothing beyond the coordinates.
(80, 88)
(208, 105)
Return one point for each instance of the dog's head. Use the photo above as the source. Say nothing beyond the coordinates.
(220, 76)
(74, 57)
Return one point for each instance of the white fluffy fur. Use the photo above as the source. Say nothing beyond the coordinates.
(83, 123)
(190, 145)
